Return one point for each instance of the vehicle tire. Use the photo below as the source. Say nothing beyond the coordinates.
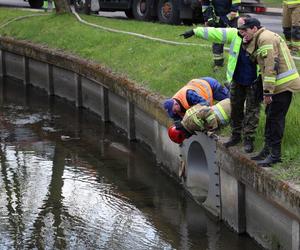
(141, 10)
(37, 4)
(168, 12)
(129, 14)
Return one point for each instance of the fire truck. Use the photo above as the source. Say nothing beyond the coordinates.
(169, 11)
(165, 11)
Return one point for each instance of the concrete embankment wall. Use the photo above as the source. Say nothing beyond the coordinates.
(229, 185)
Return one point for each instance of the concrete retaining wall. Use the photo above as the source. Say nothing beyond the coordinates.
(227, 184)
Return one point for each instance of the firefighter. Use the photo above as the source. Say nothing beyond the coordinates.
(201, 118)
(220, 13)
(202, 91)
(46, 5)
(291, 23)
(280, 79)
(245, 84)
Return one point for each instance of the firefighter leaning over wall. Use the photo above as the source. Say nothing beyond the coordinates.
(201, 118)
(197, 91)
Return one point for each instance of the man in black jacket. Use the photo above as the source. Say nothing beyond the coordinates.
(220, 13)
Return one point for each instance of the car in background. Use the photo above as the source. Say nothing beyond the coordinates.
(253, 6)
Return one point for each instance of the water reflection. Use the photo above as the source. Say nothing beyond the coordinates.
(97, 191)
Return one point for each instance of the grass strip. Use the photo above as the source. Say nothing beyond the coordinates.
(273, 3)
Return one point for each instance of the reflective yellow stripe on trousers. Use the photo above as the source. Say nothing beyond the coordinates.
(219, 111)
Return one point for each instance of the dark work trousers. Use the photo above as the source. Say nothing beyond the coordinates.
(218, 56)
(244, 118)
(218, 48)
(275, 121)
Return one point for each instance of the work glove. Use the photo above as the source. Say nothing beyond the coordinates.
(212, 135)
(188, 34)
(179, 126)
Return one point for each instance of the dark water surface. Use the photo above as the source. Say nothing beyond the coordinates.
(96, 190)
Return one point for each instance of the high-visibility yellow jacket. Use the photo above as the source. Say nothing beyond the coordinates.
(223, 35)
(203, 118)
(278, 69)
(291, 2)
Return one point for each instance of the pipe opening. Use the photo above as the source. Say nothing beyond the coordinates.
(197, 172)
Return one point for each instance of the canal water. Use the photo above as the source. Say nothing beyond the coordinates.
(70, 181)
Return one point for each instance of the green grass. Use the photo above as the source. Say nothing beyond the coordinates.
(273, 3)
(162, 68)
(159, 67)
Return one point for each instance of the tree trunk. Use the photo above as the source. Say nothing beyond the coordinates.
(62, 6)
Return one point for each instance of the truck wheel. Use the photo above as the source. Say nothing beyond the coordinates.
(141, 10)
(37, 4)
(129, 14)
(168, 12)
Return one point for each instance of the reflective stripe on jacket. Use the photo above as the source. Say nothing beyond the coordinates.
(199, 118)
(45, 4)
(222, 7)
(279, 72)
(291, 2)
(222, 110)
(223, 35)
(201, 87)
(192, 120)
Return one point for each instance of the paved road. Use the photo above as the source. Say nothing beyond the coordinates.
(271, 22)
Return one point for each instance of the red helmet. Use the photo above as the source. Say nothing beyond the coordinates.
(176, 135)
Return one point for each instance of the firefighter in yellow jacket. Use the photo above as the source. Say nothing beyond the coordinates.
(280, 79)
(291, 23)
(201, 118)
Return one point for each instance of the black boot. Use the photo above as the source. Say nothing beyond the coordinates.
(218, 64)
(268, 161)
(248, 145)
(262, 154)
(233, 140)
(272, 158)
